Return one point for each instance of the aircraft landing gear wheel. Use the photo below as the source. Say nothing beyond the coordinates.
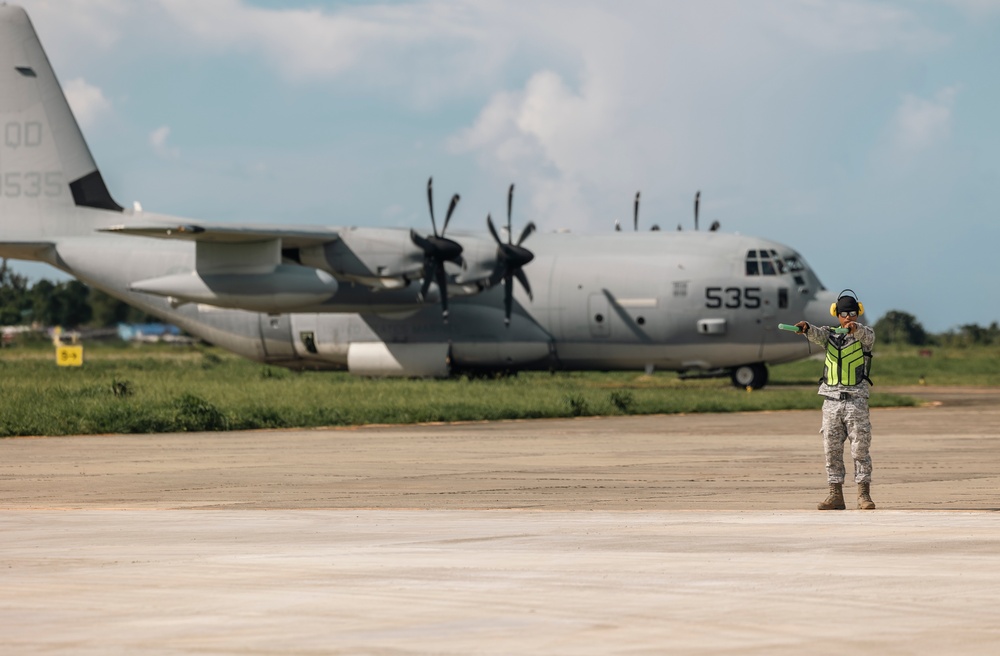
(753, 376)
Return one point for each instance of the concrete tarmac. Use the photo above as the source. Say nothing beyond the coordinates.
(691, 534)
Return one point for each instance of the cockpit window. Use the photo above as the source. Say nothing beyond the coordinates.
(801, 273)
(794, 264)
(764, 262)
(777, 261)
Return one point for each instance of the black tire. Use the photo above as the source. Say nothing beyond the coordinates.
(753, 376)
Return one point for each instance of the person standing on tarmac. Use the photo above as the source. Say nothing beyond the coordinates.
(845, 384)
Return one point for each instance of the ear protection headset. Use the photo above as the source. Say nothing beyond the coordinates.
(861, 306)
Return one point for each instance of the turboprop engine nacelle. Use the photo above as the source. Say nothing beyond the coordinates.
(284, 289)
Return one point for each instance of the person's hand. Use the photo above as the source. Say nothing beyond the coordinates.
(803, 326)
(851, 326)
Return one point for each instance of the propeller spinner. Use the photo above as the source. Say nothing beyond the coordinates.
(437, 250)
(513, 257)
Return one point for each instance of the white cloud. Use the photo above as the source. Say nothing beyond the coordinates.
(849, 25)
(158, 140)
(920, 123)
(304, 43)
(550, 130)
(87, 102)
(74, 29)
(651, 94)
(579, 101)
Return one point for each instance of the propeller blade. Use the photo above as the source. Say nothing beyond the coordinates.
(451, 210)
(523, 279)
(635, 213)
(528, 229)
(508, 296)
(419, 240)
(511, 257)
(426, 284)
(437, 250)
(493, 231)
(430, 203)
(510, 204)
(443, 287)
(697, 200)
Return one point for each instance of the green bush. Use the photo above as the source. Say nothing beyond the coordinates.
(196, 414)
(166, 388)
(623, 400)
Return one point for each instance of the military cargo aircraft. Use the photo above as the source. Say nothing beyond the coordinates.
(389, 301)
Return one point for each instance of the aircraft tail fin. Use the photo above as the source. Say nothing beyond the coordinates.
(45, 164)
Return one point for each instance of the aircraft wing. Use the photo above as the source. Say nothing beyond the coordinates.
(222, 234)
(377, 258)
(25, 250)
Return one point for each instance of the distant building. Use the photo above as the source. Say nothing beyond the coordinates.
(151, 332)
(8, 334)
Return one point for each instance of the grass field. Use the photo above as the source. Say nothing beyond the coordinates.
(131, 389)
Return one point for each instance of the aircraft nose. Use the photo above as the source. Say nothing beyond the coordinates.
(818, 309)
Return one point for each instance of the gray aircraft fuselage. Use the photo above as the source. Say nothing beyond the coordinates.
(350, 297)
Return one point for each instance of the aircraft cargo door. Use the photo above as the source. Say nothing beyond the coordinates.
(598, 315)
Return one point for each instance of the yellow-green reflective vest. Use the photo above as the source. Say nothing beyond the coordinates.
(845, 365)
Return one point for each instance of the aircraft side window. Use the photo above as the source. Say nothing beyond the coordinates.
(783, 297)
(768, 267)
(753, 268)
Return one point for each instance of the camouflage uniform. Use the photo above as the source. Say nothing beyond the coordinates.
(845, 412)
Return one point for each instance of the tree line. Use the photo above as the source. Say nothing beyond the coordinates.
(898, 327)
(70, 304)
(73, 304)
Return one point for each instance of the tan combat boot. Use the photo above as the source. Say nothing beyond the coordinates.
(865, 497)
(836, 499)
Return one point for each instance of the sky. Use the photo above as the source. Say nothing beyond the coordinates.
(862, 134)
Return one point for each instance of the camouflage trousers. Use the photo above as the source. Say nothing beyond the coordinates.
(843, 420)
